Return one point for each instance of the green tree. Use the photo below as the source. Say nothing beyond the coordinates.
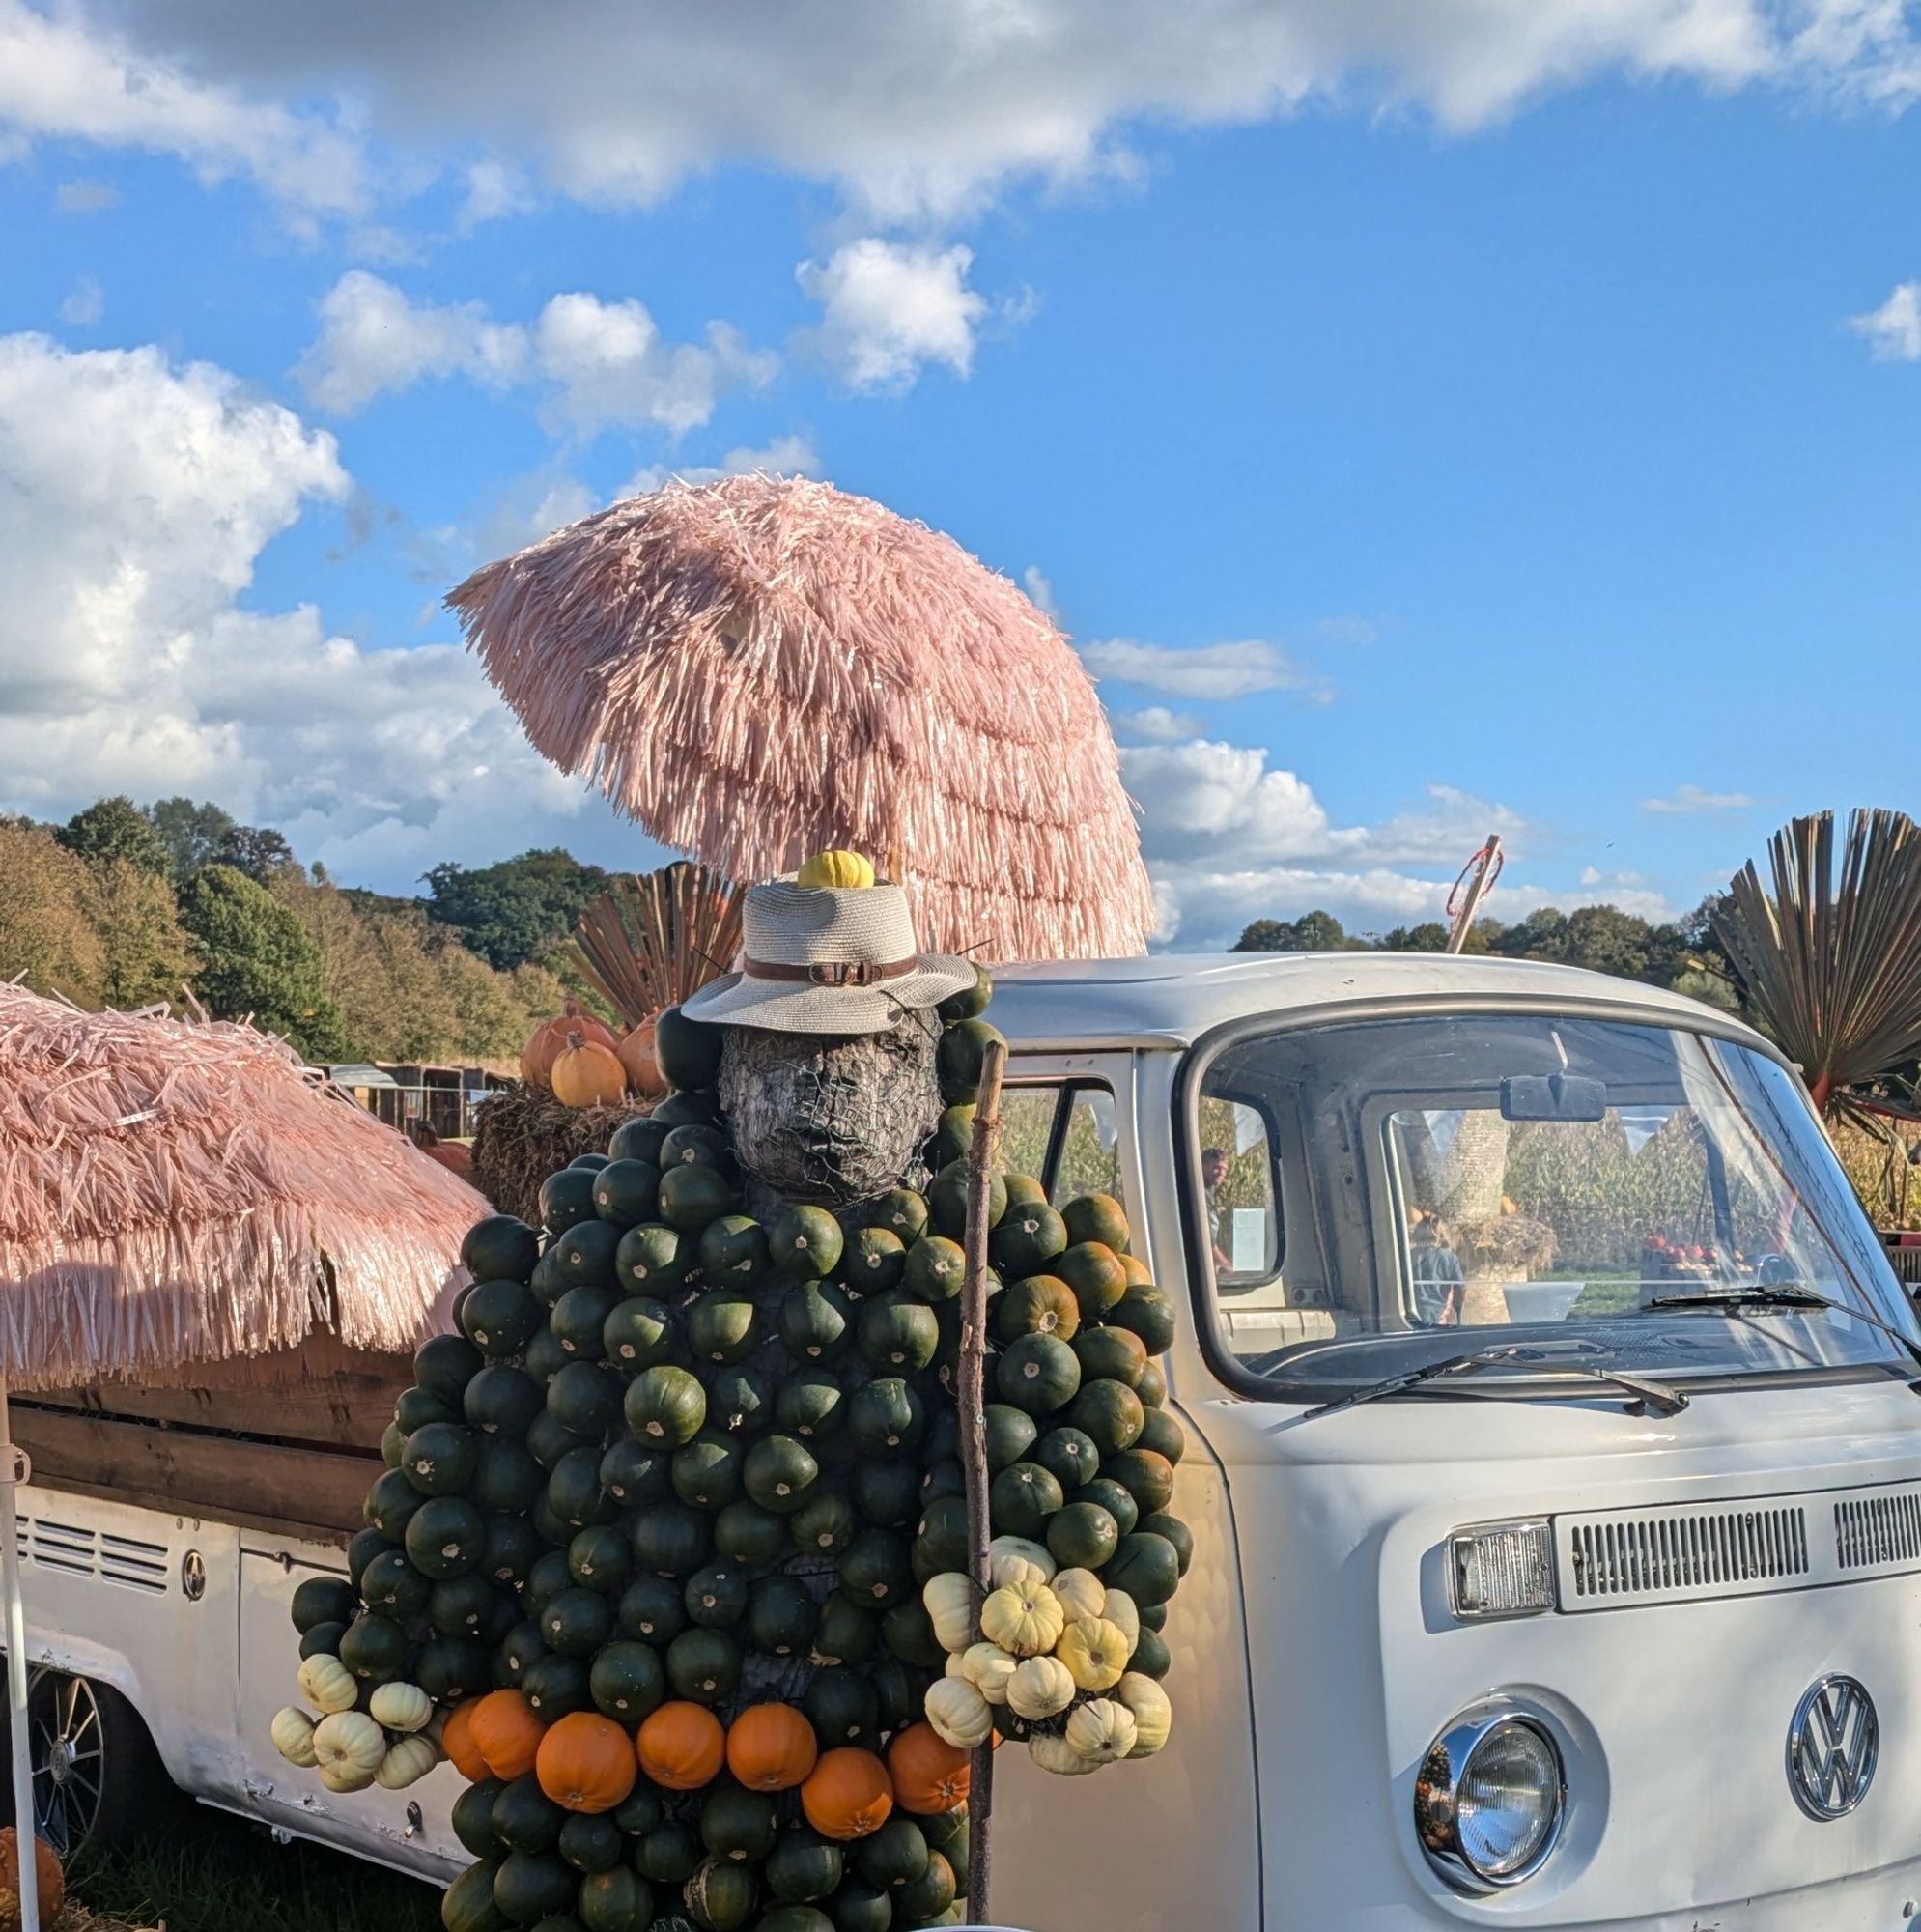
(1266, 935)
(1431, 936)
(1541, 936)
(144, 947)
(257, 958)
(1313, 932)
(517, 910)
(116, 828)
(46, 937)
(191, 833)
(257, 850)
(1605, 938)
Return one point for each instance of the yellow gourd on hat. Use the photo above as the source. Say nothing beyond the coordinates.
(835, 869)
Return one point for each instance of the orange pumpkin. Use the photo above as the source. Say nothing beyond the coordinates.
(46, 1868)
(585, 1763)
(681, 1745)
(544, 1048)
(929, 1775)
(457, 1741)
(588, 1075)
(847, 1794)
(506, 1733)
(771, 1748)
(643, 1065)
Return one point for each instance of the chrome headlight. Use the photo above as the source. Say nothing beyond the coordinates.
(1490, 1798)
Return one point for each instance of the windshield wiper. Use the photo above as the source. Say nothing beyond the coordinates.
(1782, 1298)
(1648, 1396)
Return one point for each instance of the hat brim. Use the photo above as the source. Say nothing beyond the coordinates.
(784, 1006)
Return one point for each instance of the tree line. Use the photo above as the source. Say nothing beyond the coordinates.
(124, 905)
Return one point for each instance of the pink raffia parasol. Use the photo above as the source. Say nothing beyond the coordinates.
(760, 668)
(173, 1194)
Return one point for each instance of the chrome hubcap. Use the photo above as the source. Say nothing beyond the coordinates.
(69, 1759)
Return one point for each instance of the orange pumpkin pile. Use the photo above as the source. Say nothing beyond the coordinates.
(583, 1064)
(47, 1869)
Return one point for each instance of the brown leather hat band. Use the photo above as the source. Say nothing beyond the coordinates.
(830, 972)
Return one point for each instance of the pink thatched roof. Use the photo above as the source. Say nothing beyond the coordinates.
(760, 667)
(173, 1194)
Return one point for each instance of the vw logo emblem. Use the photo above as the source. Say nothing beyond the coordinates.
(1833, 1746)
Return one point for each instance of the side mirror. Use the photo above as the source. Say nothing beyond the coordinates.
(1553, 1097)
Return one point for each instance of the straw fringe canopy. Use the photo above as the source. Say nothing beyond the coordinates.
(172, 1193)
(760, 668)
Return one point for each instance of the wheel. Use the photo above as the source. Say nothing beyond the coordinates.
(97, 1778)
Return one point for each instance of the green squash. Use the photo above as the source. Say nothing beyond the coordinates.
(640, 1811)
(874, 1569)
(1093, 1271)
(687, 1107)
(549, 1440)
(846, 1632)
(323, 1640)
(326, 1599)
(704, 1665)
(1037, 1374)
(638, 1333)
(707, 1472)
(747, 1534)
(782, 1616)
(940, 1537)
(692, 1194)
(543, 1359)
(959, 1058)
(816, 1319)
(723, 1325)
(1025, 1191)
(924, 1900)
(1022, 1497)
(1043, 1304)
(953, 1137)
(1108, 1494)
(672, 1539)
(590, 1842)
(946, 1833)
(1163, 1435)
(716, 1595)
(894, 1857)
(942, 1479)
(446, 1537)
(669, 1855)
(1110, 1413)
(531, 1886)
(525, 1819)
(651, 1610)
(451, 1669)
(1176, 1532)
(887, 1416)
(638, 1140)
(897, 1334)
(802, 1866)
(900, 1689)
(566, 1199)
(501, 1401)
(654, 1258)
(733, 1247)
(576, 1622)
(505, 1477)
(861, 1907)
(907, 1632)
(462, 1605)
(805, 1242)
(1112, 1354)
(665, 1405)
(634, 1474)
(722, 1895)
(739, 1400)
(872, 1260)
(825, 1525)
(615, 1900)
(583, 1256)
(468, 1904)
(551, 1574)
(556, 1686)
(500, 1248)
(935, 1268)
(393, 1444)
(474, 1819)
(736, 1824)
(415, 1408)
(1147, 1477)
(1069, 1455)
(1148, 1567)
(795, 1918)
(687, 1051)
(902, 1213)
(579, 1319)
(626, 1681)
(583, 1397)
(843, 1707)
(627, 1193)
(1150, 1655)
(1081, 1535)
(969, 1003)
(779, 1473)
(1152, 1387)
(1010, 1433)
(499, 1316)
(947, 1199)
(1026, 1240)
(811, 1404)
(1098, 1217)
(367, 1543)
(549, 1281)
(519, 1648)
(574, 1490)
(1149, 1313)
(695, 1142)
(886, 1491)
(599, 1558)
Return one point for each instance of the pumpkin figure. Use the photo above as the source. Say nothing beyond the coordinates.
(585, 1763)
(549, 1037)
(771, 1748)
(52, 1886)
(847, 1794)
(587, 1073)
(506, 1733)
(457, 1741)
(682, 1745)
(640, 1061)
(930, 1775)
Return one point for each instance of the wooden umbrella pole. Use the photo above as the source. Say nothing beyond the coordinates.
(982, 1161)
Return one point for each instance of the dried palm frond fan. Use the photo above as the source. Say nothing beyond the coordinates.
(653, 938)
(1830, 957)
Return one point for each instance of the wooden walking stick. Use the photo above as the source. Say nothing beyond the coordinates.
(981, 1163)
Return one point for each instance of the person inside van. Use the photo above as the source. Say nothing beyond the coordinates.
(1439, 1283)
(1214, 1171)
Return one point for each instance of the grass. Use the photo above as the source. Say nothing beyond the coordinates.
(228, 1876)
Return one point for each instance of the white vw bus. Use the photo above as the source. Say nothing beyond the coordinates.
(1554, 1468)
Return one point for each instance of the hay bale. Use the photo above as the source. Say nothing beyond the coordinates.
(524, 1134)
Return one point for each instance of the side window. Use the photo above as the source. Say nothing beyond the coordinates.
(1063, 1133)
(1237, 1185)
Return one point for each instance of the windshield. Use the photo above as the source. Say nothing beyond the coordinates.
(1377, 1194)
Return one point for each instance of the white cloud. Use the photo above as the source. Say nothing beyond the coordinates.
(888, 308)
(493, 191)
(1693, 798)
(1033, 580)
(87, 304)
(597, 363)
(128, 665)
(1158, 725)
(915, 110)
(784, 456)
(1203, 670)
(85, 197)
(1893, 331)
(63, 77)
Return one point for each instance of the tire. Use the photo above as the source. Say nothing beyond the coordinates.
(98, 1779)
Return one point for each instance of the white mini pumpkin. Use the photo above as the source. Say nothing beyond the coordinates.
(406, 1763)
(293, 1735)
(1101, 1731)
(1039, 1687)
(948, 1600)
(1152, 1708)
(1082, 1593)
(1025, 1621)
(958, 1713)
(1014, 1560)
(348, 1747)
(1057, 1755)
(400, 1707)
(987, 1667)
(1121, 1611)
(327, 1684)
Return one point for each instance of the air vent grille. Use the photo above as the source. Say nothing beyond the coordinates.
(1874, 1530)
(74, 1551)
(1667, 1555)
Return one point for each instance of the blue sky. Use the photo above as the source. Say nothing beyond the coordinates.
(1507, 419)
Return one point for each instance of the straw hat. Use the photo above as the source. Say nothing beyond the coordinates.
(828, 959)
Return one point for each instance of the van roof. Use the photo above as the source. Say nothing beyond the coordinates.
(1170, 999)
